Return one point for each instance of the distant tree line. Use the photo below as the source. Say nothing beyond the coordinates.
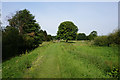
(22, 34)
(83, 36)
(67, 30)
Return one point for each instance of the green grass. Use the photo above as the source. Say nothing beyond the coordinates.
(76, 59)
(17, 66)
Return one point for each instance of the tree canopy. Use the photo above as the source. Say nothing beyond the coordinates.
(21, 34)
(81, 36)
(24, 21)
(67, 30)
(92, 35)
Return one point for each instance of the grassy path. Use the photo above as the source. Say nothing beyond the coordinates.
(46, 66)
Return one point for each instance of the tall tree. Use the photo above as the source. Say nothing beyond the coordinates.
(67, 30)
(26, 24)
(24, 21)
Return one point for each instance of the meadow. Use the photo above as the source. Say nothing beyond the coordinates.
(75, 59)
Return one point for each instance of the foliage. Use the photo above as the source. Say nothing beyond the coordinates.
(24, 21)
(113, 38)
(49, 37)
(114, 73)
(54, 37)
(26, 24)
(67, 31)
(92, 35)
(101, 41)
(23, 33)
(29, 42)
(81, 36)
(44, 36)
(12, 42)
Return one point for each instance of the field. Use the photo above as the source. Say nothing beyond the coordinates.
(76, 59)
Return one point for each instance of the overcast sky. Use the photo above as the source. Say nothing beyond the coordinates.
(87, 16)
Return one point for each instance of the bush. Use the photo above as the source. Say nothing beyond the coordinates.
(114, 38)
(111, 39)
(101, 41)
(28, 42)
(114, 73)
(12, 42)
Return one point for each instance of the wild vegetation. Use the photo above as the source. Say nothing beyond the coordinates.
(22, 33)
(77, 59)
(111, 39)
(69, 54)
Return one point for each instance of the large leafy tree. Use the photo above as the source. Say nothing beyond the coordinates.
(67, 30)
(24, 21)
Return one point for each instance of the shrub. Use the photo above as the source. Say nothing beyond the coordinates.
(114, 38)
(111, 39)
(12, 42)
(28, 42)
(114, 73)
(101, 41)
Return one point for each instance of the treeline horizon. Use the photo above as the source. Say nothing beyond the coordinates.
(24, 34)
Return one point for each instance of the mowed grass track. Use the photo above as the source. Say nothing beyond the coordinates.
(63, 60)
